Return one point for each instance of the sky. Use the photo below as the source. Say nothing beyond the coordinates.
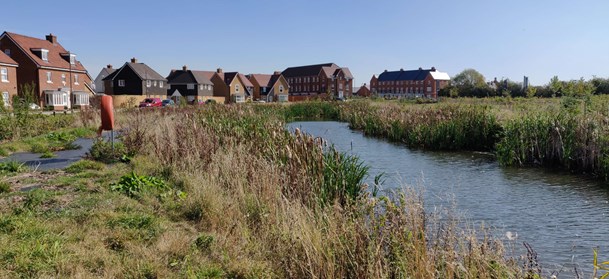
(503, 39)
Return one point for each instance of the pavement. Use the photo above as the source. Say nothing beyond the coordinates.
(61, 160)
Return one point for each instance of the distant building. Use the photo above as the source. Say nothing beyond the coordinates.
(362, 91)
(235, 87)
(409, 84)
(319, 81)
(52, 69)
(8, 79)
(99, 80)
(191, 85)
(133, 82)
(270, 88)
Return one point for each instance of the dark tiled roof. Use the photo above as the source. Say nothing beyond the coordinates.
(228, 77)
(310, 70)
(179, 76)
(6, 59)
(54, 56)
(145, 72)
(347, 73)
(404, 75)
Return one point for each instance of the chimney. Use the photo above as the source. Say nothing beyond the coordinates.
(133, 60)
(109, 66)
(433, 69)
(219, 70)
(52, 38)
(277, 73)
(184, 68)
(420, 69)
(385, 71)
(401, 69)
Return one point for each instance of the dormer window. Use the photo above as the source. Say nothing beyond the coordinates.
(73, 59)
(44, 54)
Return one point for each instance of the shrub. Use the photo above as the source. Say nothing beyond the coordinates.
(5, 187)
(12, 167)
(47, 154)
(102, 151)
(134, 185)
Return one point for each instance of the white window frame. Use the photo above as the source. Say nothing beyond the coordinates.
(283, 98)
(148, 83)
(190, 86)
(44, 54)
(154, 84)
(202, 86)
(73, 59)
(121, 83)
(63, 78)
(161, 84)
(4, 74)
(49, 77)
(236, 88)
(76, 79)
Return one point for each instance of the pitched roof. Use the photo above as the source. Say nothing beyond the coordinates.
(262, 79)
(440, 75)
(310, 70)
(145, 72)
(245, 81)
(190, 76)
(408, 75)
(203, 77)
(5, 59)
(347, 73)
(228, 77)
(55, 59)
(141, 69)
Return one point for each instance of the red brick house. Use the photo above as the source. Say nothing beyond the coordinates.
(409, 84)
(362, 91)
(8, 79)
(320, 80)
(270, 88)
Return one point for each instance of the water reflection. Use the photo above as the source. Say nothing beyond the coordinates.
(562, 216)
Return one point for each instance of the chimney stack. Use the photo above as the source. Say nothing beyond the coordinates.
(133, 60)
(433, 69)
(219, 70)
(277, 73)
(401, 69)
(109, 66)
(52, 38)
(184, 68)
(420, 69)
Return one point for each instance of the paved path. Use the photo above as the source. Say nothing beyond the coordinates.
(61, 160)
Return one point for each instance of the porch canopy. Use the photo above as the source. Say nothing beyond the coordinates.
(81, 98)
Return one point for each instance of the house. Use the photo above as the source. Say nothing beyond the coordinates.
(319, 81)
(270, 88)
(54, 71)
(191, 85)
(235, 87)
(8, 79)
(98, 83)
(362, 91)
(410, 84)
(133, 82)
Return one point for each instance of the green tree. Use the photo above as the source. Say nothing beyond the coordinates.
(469, 78)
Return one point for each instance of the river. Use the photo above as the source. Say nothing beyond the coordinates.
(562, 216)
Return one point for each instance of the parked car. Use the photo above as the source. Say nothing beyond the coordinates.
(33, 106)
(168, 102)
(151, 102)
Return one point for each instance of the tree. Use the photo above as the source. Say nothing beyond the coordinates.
(469, 78)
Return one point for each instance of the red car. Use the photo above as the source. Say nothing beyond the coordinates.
(151, 102)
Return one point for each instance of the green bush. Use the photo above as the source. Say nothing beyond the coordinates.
(134, 185)
(102, 151)
(12, 167)
(5, 187)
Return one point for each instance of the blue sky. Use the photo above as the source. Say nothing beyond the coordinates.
(498, 38)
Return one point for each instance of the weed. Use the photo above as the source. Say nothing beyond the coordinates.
(103, 151)
(5, 187)
(12, 167)
(47, 154)
(134, 185)
(83, 165)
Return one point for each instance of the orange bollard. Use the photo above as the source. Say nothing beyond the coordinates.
(107, 114)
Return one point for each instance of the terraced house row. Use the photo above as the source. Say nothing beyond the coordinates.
(59, 81)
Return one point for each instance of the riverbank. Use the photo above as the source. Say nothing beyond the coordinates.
(226, 191)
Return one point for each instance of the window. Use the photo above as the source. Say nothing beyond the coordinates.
(190, 86)
(72, 59)
(239, 99)
(154, 84)
(49, 78)
(161, 84)
(283, 98)
(201, 86)
(75, 78)
(263, 89)
(7, 52)
(4, 74)
(236, 88)
(63, 78)
(5, 99)
(44, 54)
(148, 83)
(121, 83)
(280, 88)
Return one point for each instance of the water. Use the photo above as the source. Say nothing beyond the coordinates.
(562, 216)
